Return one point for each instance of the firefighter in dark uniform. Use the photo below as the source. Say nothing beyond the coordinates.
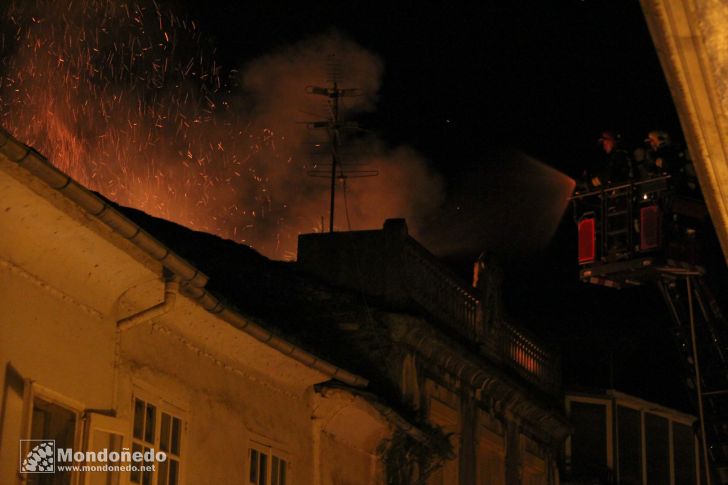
(662, 155)
(615, 169)
(684, 211)
(617, 165)
(665, 157)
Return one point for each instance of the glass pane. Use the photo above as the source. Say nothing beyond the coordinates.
(136, 475)
(149, 423)
(589, 441)
(282, 480)
(274, 471)
(263, 469)
(164, 433)
(51, 422)
(112, 442)
(163, 472)
(146, 474)
(657, 449)
(684, 449)
(629, 445)
(173, 472)
(253, 466)
(176, 435)
(138, 419)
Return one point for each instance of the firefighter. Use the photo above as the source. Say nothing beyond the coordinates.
(662, 156)
(617, 165)
(665, 157)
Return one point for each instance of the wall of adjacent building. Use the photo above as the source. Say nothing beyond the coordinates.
(54, 343)
(690, 41)
(228, 408)
(65, 281)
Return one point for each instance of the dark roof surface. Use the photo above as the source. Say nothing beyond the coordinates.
(341, 326)
(276, 295)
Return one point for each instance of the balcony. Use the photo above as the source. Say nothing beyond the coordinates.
(392, 266)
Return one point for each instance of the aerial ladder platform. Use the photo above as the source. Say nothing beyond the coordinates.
(644, 233)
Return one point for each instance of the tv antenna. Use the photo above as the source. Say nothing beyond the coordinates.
(334, 128)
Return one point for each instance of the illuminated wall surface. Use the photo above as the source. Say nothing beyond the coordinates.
(226, 407)
(690, 39)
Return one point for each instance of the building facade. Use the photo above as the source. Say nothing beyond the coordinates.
(454, 359)
(365, 362)
(108, 339)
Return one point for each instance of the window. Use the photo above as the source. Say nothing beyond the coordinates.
(657, 444)
(51, 421)
(105, 432)
(684, 453)
(266, 467)
(629, 444)
(589, 440)
(161, 430)
(645, 442)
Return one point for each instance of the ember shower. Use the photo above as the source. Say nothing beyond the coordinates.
(128, 99)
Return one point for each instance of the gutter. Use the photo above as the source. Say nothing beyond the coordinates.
(191, 280)
(171, 288)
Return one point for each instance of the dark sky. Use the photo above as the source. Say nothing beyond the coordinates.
(546, 77)
(542, 77)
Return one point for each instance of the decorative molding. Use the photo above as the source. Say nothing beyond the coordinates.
(48, 288)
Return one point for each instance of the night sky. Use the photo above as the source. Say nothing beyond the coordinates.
(545, 78)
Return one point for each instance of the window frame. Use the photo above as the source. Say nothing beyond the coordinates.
(32, 391)
(109, 424)
(615, 399)
(617, 403)
(271, 449)
(161, 405)
(609, 417)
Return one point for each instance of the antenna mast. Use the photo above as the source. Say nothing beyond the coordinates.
(334, 126)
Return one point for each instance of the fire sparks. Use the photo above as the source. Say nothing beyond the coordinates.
(126, 99)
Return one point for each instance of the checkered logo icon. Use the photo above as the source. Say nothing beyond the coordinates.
(37, 456)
